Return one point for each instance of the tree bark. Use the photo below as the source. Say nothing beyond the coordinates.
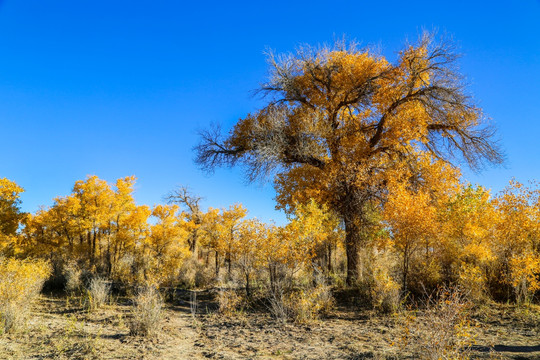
(352, 242)
(357, 232)
(217, 264)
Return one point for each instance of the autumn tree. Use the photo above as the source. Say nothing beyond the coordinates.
(250, 242)
(231, 221)
(166, 247)
(182, 196)
(413, 223)
(212, 236)
(465, 241)
(517, 240)
(10, 214)
(341, 122)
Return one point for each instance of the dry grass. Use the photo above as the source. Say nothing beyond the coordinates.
(73, 276)
(98, 293)
(146, 313)
(59, 329)
(309, 304)
(77, 342)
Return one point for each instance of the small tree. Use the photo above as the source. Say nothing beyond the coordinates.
(10, 214)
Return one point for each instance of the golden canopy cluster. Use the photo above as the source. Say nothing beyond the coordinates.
(459, 234)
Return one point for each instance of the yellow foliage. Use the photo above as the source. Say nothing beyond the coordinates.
(20, 284)
(10, 216)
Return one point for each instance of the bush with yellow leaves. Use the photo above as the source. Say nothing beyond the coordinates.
(230, 302)
(20, 283)
(385, 293)
(309, 304)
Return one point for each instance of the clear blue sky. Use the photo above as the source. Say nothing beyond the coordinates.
(117, 88)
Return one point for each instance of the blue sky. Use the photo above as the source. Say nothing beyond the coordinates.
(117, 88)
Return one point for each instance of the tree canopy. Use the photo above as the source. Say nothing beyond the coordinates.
(342, 125)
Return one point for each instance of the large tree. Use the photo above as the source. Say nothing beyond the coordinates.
(341, 124)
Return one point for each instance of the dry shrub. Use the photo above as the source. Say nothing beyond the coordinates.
(125, 270)
(443, 330)
(146, 313)
(98, 293)
(20, 283)
(301, 306)
(230, 303)
(194, 274)
(73, 277)
(425, 275)
(277, 305)
(308, 305)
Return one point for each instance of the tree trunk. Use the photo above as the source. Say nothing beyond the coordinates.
(356, 235)
(405, 270)
(217, 264)
(248, 293)
(329, 254)
(192, 242)
(352, 242)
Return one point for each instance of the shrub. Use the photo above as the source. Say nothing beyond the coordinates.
(277, 305)
(146, 313)
(444, 330)
(98, 293)
(73, 277)
(308, 305)
(194, 274)
(20, 283)
(229, 302)
(301, 306)
(385, 293)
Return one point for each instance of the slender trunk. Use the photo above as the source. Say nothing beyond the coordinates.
(109, 256)
(247, 285)
(330, 268)
(217, 264)
(405, 269)
(272, 273)
(93, 252)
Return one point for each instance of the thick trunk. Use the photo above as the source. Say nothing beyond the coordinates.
(352, 242)
(356, 236)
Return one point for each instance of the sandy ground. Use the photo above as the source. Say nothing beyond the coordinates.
(61, 329)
